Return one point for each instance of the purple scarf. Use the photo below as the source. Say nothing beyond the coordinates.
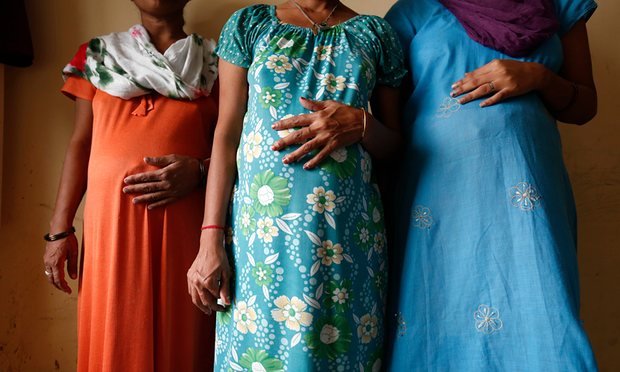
(513, 27)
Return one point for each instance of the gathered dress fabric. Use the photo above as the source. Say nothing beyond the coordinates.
(134, 312)
(308, 246)
(484, 261)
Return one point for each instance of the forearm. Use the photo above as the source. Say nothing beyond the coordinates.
(222, 172)
(574, 104)
(72, 185)
(379, 140)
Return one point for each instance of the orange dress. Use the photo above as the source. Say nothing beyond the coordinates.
(134, 312)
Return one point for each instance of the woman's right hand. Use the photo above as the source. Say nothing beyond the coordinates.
(208, 279)
(56, 253)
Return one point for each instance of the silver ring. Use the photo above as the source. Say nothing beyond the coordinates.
(492, 86)
(47, 273)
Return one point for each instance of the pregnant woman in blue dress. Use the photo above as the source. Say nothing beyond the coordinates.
(308, 245)
(484, 257)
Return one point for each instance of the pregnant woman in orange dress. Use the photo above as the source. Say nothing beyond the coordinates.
(142, 97)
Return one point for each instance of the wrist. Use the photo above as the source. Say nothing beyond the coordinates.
(60, 224)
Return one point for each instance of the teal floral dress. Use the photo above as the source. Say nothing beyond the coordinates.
(308, 247)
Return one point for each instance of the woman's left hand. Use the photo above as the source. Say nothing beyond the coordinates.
(178, 176)
(499, 79)
(330, 126)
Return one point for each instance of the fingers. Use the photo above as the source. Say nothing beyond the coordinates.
(312, 105)
(469, 83)
(302, 151)
(481, 91)
(142, 178)
(320, 157)
(160, 161)
(72, 262)
(299, 136)
(147, 188)
(196, 299)
(496, 98)
(297, 121)
(225, 289)
(58, 274)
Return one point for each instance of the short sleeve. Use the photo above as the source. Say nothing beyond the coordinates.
(236, 44)
(390, 65)
(399, 17)
(570, 12)
(77, 87)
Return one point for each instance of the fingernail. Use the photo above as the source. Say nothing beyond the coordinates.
(125, 190)
(453, 85)
(285, 160)
(149, 207)
(483, 104)
(306, 166)
(453, 93)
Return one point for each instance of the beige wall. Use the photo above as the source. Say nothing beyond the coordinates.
(37, 324)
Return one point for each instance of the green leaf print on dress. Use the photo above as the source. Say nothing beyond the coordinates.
(269, 194)
(259, 360)
(341, 162)
(330, 338)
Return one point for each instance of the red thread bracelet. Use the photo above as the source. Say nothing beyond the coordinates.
(214, 227)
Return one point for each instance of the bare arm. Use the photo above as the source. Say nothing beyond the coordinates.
(70, 193)
(211, 265)
(569, 95)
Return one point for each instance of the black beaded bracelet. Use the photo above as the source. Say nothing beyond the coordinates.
(61, 235)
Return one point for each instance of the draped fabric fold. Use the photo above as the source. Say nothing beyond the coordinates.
(513, 27)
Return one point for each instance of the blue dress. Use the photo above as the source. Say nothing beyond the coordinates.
(308, 247)
(484, 267)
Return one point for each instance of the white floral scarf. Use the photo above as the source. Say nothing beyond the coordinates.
(127, 65)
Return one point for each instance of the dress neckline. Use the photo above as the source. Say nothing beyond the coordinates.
(274, 15)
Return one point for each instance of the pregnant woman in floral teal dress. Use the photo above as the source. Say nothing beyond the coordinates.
(308, 245)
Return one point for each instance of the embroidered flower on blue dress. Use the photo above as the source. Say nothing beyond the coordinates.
(487, 320)
(448, 107)
(524, 196)
(402, 324)
(422, 217)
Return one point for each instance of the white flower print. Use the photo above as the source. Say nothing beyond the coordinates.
(339, 155)
(285, 132)
(246, 219)
(448, 107)
(245, 318)
(252, 146)
(379, 242)
(279, 64)
(422, 217)
(333, 83)
(329, 334)
(292, 312)
(364, 235)
(524, 196)
(329, 253)
(367, 329)
(265, 230)
(487, 320)
(324, 52)
(366, 165)
(321, 200)
(340, 296)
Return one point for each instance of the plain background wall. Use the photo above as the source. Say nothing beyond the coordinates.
(38, 323)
